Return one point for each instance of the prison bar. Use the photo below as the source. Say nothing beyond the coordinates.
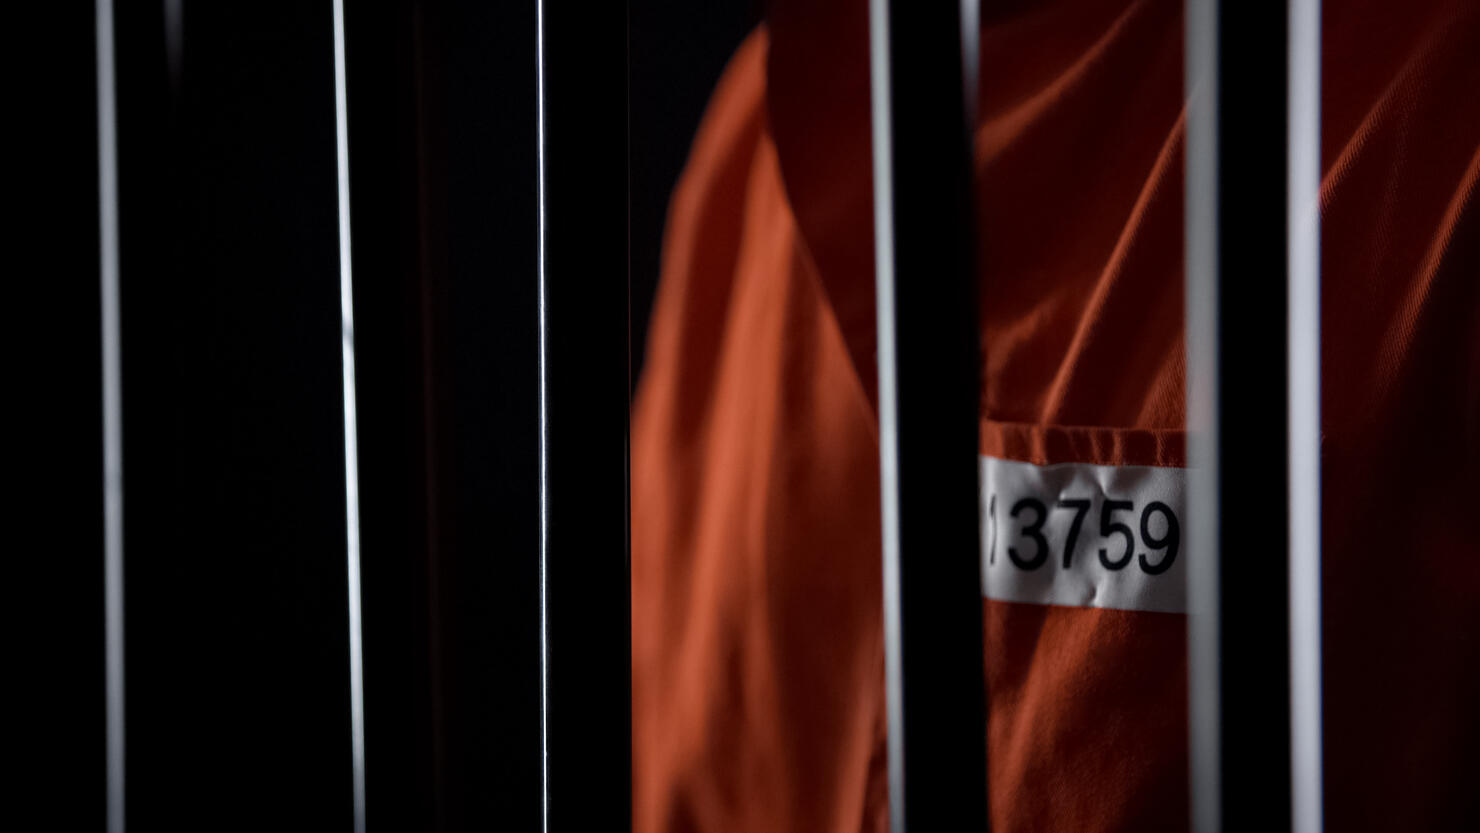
(928, 361)
(112, 418)
(1303, 333)
(1252, 235)
(351, 432)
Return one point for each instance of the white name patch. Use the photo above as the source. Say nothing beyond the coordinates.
(1084, 536)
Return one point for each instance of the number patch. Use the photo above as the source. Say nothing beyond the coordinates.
(1083, 535)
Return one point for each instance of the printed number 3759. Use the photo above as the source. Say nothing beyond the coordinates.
(1118, 537)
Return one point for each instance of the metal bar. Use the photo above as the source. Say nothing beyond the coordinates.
(351, 444)
(585, 615)
(928, 392)
(1237, 293)
(112, 418)
(1200, 228)
(1304, 338)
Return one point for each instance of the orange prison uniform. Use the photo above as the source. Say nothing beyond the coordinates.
(757, 645)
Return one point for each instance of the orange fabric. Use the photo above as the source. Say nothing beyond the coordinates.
(757, 644)
(739, 545)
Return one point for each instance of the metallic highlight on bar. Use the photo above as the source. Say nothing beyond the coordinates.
(971, 35)
(174, 39)
(351, 443)
(112, 418)
(1201, 230)
(539, 48)
(1304, 379)
(878, 12)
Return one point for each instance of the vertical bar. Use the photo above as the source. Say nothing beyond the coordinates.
(585, 634)
(1304, 336)
(1236, 271)
(112, 416)
(1200, 227)
(351, 446)
(928, 392)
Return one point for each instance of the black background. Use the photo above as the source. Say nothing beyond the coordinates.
(237, 645)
